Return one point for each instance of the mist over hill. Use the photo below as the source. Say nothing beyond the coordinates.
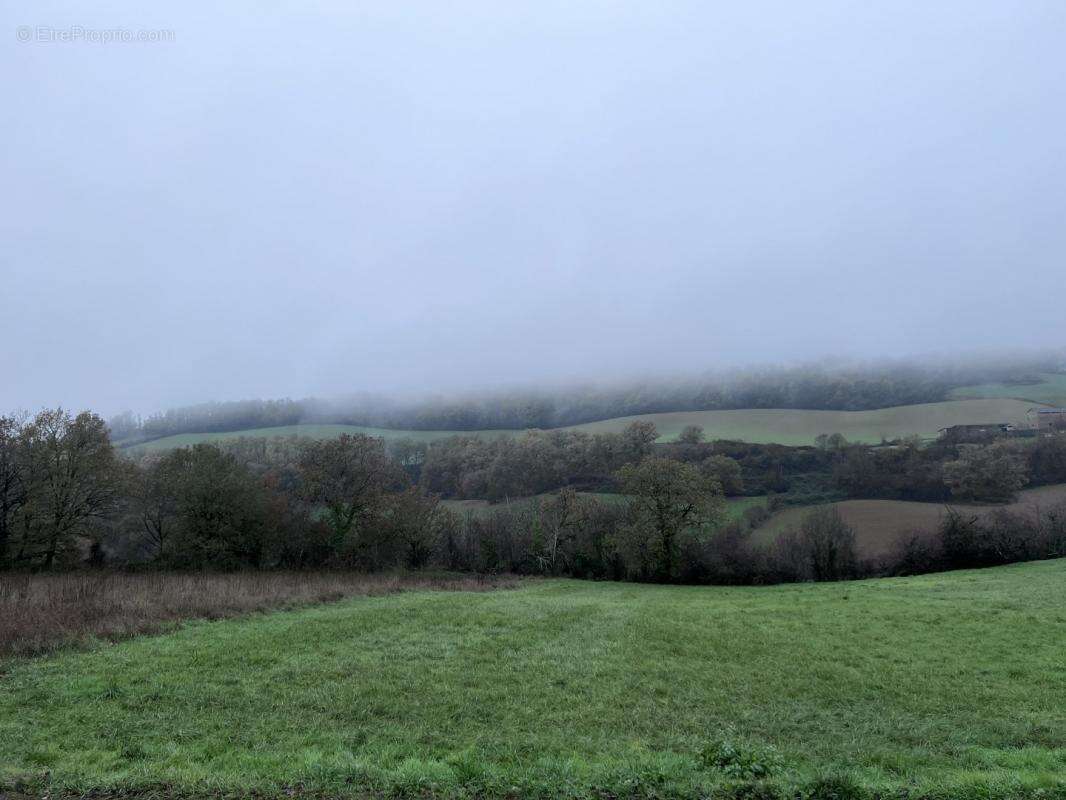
(829, 386)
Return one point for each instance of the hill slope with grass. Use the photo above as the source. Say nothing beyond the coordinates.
(787, 426)
(948, 685)
(879, 523)
(761, 426)
(1050, 390)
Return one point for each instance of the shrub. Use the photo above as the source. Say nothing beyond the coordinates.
(991, 473)
(914, 553)
(740, 763)
(829, 543)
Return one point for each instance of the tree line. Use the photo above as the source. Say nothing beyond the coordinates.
(68, 497)
(497, 468)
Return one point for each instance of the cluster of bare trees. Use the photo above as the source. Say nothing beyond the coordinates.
(68, 497)
(494, 468)
(987, 472)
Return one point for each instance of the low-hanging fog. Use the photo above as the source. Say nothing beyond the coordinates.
(290, 199)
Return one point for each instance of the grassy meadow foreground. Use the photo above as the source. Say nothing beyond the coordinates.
(950, 685)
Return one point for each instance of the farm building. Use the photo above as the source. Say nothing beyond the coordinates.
(975, 433)
(1047, 419)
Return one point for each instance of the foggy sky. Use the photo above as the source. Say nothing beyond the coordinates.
(322, 198)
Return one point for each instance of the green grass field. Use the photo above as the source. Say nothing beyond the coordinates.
(781, 426)
(1050, 391)
(945, 686)
(878, 523)
(797, 427)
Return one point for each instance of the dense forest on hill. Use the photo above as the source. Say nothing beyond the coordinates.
(843, 388)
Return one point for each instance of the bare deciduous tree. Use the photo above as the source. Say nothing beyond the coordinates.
(638, 438)
(75, 479)
(155, 499)
(830, 544)
(347, 476)
(12, 479)
(561, 516)
(668, 499)
(691, 434)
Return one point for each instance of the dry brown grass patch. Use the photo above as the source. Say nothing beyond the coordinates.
(39, 613)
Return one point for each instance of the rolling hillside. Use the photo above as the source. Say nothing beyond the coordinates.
(782, 426)
(573, 689)
(785, 426)
(1050, 391)
(878, 523)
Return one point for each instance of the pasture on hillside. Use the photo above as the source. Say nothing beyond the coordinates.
(1051, 390)
(759, 426)
(950, 685)
(879, 523)
(800, 427)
